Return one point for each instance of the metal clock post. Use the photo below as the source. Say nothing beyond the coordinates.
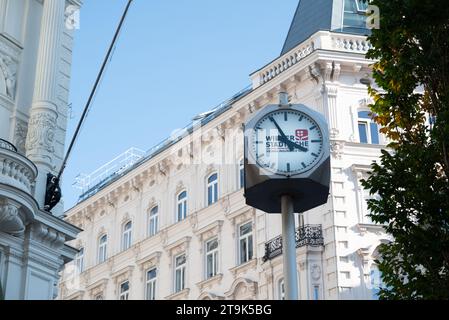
(287, 170)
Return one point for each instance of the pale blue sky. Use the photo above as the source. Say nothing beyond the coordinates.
(175, 59)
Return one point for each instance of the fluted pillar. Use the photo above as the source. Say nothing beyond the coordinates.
(40, 144)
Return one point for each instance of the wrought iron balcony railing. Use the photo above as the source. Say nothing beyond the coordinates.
(309, 235)
(7, 145)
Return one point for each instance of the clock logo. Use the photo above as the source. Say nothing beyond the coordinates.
(287, 142)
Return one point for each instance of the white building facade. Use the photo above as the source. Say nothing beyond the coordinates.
(175, 224)
(35, 61)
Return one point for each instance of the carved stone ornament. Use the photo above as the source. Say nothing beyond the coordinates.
(20, 135)
(316, 272)
(41, 133)
(48, 236)
(10, 221)
(193, 219)
(8, 72)
(337, 149)
(226, 204)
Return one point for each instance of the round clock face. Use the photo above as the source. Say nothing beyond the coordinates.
(287, 142)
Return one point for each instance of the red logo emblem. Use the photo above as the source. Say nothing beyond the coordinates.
(302, 135)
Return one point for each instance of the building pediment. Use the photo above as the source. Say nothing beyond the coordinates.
(178, 246)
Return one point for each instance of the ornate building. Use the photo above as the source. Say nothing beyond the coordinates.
(174, 224)
(35, 63)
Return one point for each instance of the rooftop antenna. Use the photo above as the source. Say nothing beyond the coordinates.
(53, 192)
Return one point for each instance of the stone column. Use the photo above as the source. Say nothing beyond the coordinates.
(40, 144)
(330, 109)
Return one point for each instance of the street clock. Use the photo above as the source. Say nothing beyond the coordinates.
(286, 153)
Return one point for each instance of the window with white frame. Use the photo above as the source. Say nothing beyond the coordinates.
(241, 174)
(212, 189)
(124, 291)
(127, 236)
(245, 242)
(376, 281)
(368, 129)
(281, 289)
(79, 261)
(151, 282)
(212, 258)
(354, 14)
(181, 209)
(103, 249)
(153, 222)
(180, 272)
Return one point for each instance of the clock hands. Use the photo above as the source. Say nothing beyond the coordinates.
(283, 138)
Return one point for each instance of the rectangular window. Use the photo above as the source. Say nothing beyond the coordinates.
(374, 133)
(363, 132)
(212, 189)
(241, 175)
(153, 224)
(126, 238)
(211, 258)
(124, 291)
(246, 242)
(182, 207)
(102, 249)
(316, 293)
(150, 291)
(354, 14)
(80, 261)
(180, 272)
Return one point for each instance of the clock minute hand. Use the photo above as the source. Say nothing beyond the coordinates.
(291, 145)
(283, 137)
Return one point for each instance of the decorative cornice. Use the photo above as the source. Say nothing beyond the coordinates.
(242, 269)
(249, 284)
(209, 283)
(182, 295)
(209, 231)
(122, 275)
(178, 247)
(150, 261)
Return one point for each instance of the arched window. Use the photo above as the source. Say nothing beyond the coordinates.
(181, 208)
(153, 222)
(79, 261)
(102, 249)
(212, 189)
(241, 174)
(127, 236)
(368, 129)
(124, 291)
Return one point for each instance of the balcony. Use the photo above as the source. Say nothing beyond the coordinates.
(17, 175)
(309, 235)
(15, 169)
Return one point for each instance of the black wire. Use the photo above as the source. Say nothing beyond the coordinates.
(92, 94)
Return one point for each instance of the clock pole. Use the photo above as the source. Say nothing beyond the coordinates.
(289, 248)
(288, 234)
(284, 183)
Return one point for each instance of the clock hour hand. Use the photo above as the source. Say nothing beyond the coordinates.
(291, 145)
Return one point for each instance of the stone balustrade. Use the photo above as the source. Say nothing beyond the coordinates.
(16, 170)
(322, 40)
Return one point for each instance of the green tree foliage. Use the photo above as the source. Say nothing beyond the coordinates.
(411, 50)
